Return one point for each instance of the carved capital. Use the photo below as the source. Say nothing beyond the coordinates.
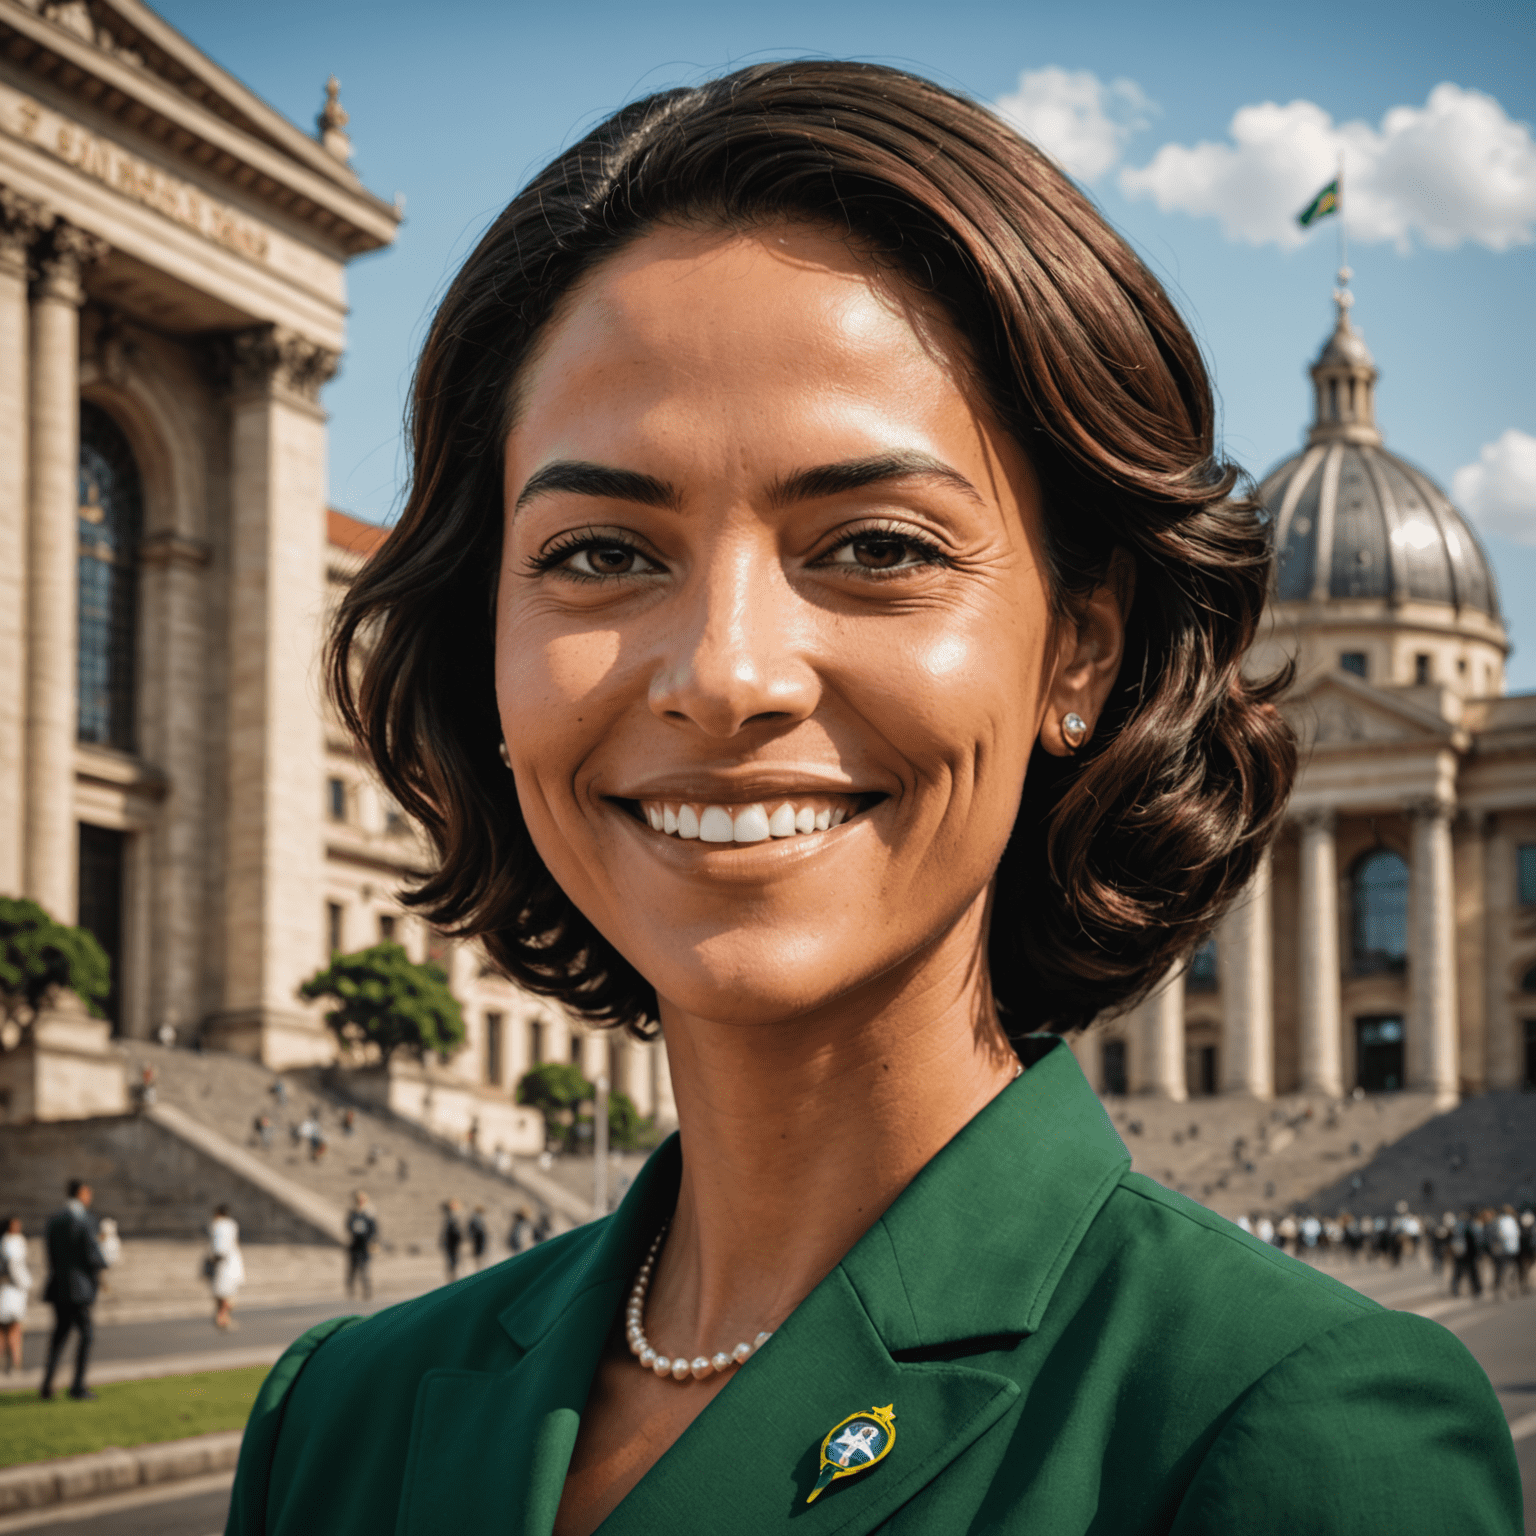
(62, 259)
(268, 359)
(22, 221)
(1319, 821)
(168, 550)
(1431, 810)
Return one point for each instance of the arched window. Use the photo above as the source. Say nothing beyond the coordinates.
(111, 512)
(1380, 912)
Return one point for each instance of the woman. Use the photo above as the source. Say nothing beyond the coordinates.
(15, 1287)
(816, 627)
(224, 1266)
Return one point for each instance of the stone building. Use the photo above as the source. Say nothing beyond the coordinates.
(173, 259)
(1390, 941)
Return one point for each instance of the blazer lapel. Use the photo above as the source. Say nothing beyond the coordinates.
(489, 1450)
(958, 1271)
(749, 1461)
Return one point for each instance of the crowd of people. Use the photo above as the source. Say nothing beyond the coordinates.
(1490, 1248)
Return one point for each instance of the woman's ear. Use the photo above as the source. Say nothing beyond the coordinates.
(1089, 650)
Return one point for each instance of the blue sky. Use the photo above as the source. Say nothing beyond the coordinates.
(456, 104)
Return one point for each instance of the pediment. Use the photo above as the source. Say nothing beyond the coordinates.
(1340, 710)
(121, 59)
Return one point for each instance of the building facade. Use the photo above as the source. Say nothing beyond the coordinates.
(173, 258)
(1390, 939)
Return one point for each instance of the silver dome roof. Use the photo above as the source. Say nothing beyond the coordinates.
(1350, 519)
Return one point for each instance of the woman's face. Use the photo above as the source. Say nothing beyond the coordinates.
(773, 635)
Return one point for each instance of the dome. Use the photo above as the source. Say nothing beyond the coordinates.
(1350, 519)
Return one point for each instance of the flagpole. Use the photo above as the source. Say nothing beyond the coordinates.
(1344, 273)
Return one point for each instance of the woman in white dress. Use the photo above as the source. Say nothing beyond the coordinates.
(15, 1283)
(225, 1266)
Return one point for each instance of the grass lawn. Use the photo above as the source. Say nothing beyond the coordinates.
(128, 1413)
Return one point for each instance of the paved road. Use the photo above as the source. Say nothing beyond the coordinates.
(1502, 1335)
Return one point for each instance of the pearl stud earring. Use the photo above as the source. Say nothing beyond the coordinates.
(1074, 730)
(506, 757)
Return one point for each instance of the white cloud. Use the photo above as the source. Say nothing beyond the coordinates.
(1456, 169)
(1499, 491)
(1078, 120)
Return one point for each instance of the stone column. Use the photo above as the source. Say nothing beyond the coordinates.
(1162, 1016)
(1244, 952)
(174, 713)
(21, 221)
(52, 569)
(1504, 1046)
(274, 779)
(1433, 1055)
(1319, 989)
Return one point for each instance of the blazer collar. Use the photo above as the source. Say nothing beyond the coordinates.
(973, 1247)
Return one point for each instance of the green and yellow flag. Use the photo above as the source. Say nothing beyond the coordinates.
(1326, 202)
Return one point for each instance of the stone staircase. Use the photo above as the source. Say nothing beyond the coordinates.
(406, 1172)
(1239, 1156)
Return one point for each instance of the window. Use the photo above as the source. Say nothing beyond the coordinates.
(386, 927)
(1354, 661)
(109, 521)
(1379, 1054)
(493, 1028)
(535, 1041)
(1525, 874)
(333, 921)
(395, 824)
(1112, 1066)
(1529, 1080)
(1202, 975)
(1421, 672)
(101, 904)
(1380, 912)
(336, 799)
(575, 1049)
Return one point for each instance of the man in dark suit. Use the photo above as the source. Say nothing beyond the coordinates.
(74, 1261)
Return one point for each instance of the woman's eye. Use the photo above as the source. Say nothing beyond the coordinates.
(883, 552)
(597, 558)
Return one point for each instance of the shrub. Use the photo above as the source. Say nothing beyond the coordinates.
(39, 957)
(386, 998)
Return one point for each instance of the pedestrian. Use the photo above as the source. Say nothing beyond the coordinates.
(542, 1227)
(1504, 1249)
(362, 1236)
(279, 1092)
(262, 1127)
(110, 1243)
(349, 1122)
(145, 1091)
(15, 1286)
(1527, 1248)
(224, 1266)
(477, 1235)
(451, 1239)
(1464, 1256)
(74, 1262)
(521, 1235)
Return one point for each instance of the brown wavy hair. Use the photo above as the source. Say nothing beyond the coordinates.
(1123, 856)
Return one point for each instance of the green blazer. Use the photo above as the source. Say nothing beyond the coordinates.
(1068, 1347)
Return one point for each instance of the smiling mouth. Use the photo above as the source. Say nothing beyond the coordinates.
(751, 822)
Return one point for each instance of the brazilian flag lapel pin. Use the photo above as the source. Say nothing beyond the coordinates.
(854, 1445)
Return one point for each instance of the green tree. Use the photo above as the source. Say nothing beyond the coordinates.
(555, 1089)
(38, 957)
(383, 996)
(624, 1122)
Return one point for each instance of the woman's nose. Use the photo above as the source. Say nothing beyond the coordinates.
(737, 656)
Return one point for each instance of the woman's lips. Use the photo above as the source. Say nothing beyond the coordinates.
(752, 821)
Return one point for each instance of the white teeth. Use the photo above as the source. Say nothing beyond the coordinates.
(746, 824)
(716, 825)
(751, 825)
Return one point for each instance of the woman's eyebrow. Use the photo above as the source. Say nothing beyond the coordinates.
(857, 474)
(579, 478)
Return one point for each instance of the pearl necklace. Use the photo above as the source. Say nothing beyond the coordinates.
(679, 1369)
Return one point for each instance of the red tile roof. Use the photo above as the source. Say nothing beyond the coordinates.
(352, 533)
